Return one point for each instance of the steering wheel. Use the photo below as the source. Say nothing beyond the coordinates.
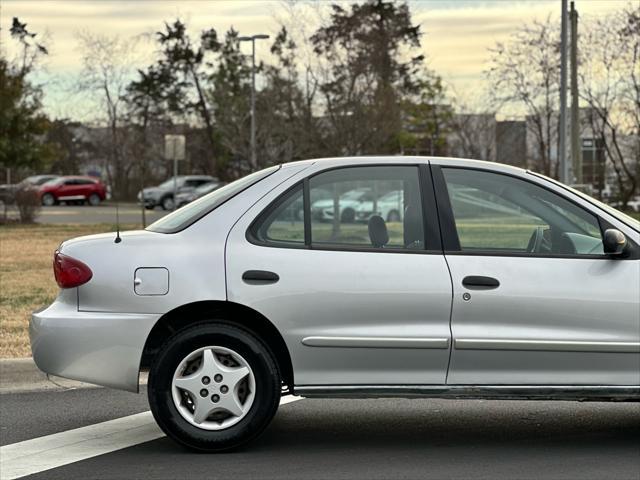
(539, 242)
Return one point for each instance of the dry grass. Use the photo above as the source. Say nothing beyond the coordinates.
(26, 277)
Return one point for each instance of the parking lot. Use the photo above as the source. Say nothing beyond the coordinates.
(130, 213)
(313, 438)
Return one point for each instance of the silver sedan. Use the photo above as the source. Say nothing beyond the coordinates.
(496, 283)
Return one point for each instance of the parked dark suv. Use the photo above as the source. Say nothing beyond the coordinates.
(162, 195)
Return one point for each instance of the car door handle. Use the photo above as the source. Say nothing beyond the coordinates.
(477, 282)
(259, 277)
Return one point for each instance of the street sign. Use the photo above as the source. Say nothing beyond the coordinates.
(174, 150)
(174, 147)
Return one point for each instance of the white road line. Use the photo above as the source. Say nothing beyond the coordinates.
(51, 451)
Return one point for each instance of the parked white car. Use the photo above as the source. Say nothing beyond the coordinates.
(498, 283)
(388, 206)
(348, 203)
(634, 204)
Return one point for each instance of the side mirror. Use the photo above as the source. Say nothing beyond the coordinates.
(614, 242)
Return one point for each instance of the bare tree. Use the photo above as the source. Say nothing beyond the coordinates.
(108, 65)
(290, 130)
(524, 76)
(473, 135)
(610, 85)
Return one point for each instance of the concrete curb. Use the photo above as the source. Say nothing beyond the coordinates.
(20, 375)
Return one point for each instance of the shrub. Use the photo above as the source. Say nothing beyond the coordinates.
(28, 203)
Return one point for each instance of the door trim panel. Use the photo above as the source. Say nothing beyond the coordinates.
(376, 342)
(546, 345)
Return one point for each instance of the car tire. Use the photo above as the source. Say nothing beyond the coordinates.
(48, 200)
(167, 203)
(348, 216)
(393, 216)
(170, 404)
(94, 199)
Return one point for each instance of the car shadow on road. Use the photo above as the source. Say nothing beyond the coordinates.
(400, 423)
(396, 438)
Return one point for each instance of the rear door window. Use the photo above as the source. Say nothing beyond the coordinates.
(369, 207)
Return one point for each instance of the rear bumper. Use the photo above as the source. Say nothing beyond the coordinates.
(93, 347)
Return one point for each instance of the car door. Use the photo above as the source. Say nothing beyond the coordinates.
(85, 187)
(68, 189)
(536, 301)
(358, 303)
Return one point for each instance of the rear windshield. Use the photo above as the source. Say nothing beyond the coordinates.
(194, 211)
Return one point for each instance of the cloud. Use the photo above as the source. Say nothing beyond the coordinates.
(458, 33)
(458, 38)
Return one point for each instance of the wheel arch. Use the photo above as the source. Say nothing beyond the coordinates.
(223, 312)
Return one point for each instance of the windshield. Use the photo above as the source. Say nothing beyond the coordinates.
(169, 183)
(391, 196)
(632, 222)
(194, 211)
(354, 194)
(55, 181)
(207, 187)
(38, 180)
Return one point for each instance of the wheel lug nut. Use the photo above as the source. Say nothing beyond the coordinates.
(218, 378)
(204, 392)
(215, 398)
(206, 380)
(224, 389)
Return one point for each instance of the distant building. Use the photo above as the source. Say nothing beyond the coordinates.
(482, 137)
(511, 143)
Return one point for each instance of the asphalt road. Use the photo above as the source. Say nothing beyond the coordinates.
(129, 213)
(368, 439)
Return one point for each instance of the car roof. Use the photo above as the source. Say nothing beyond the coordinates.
(402, 159)
(79, 177)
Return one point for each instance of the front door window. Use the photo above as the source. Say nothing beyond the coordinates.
(502, 214)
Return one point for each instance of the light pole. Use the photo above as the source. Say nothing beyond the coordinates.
(565, 175)
(252, 39)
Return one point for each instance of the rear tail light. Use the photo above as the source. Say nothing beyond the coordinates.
(70, 272)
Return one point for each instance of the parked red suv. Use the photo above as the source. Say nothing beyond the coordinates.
(73, 189)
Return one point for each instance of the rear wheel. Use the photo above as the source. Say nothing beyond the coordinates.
(348, 216)
(393, 216)
(48, 200)
(94, 200)
(214, 387)
(167, 203)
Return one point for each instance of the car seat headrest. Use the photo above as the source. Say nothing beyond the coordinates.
(378, 231)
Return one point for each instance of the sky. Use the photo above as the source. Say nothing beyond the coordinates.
(457, 33)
